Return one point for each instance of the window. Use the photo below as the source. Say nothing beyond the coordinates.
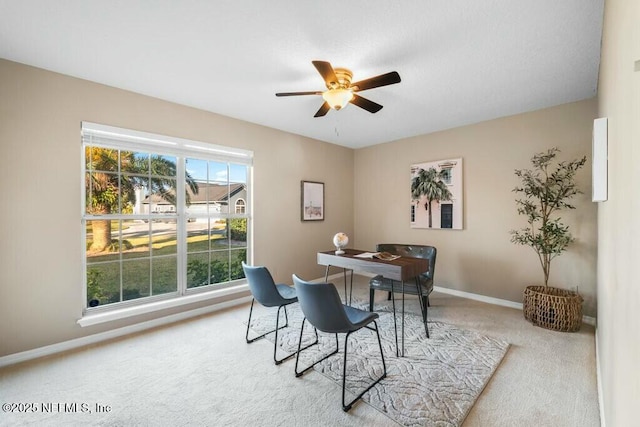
(446, 175)
(156, 220)
(446, 215)
(240, 206)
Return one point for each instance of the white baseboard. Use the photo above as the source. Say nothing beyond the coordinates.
(478, 297)
(496, 301)
(103, 336)
(599, 382)
(462, 294)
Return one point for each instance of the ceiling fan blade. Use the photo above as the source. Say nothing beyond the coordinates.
(297, 93)
(364, 103)
(324, 109)
(381, 80)
(326, 71)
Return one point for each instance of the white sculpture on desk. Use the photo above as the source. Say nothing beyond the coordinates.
(340, 240)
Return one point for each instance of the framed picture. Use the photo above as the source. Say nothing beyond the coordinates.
(436, 194)
(312, 201)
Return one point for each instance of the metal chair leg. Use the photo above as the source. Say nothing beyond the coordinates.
(275, 343)
(346, 407)
(278, 327)
(249, 341)
(246, 337)
(300, 373)
(423, 307)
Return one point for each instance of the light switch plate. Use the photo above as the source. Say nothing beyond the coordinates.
(599, 158)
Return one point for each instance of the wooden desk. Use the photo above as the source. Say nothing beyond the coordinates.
(400, 270)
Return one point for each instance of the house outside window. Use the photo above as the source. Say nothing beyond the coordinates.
(156, 221)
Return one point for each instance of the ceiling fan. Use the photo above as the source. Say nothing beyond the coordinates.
(340, 91)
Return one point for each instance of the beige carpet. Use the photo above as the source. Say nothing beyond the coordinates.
(201, 372)
(435, 384)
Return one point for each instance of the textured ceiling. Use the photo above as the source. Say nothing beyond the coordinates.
(460, 61)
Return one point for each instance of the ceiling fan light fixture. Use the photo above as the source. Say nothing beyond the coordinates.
(337, 98)
(340, 91)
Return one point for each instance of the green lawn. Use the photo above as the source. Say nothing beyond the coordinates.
(144, 276)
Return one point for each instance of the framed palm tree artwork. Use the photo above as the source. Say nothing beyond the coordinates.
(436, 194)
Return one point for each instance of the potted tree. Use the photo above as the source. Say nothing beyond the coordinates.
(547, 189)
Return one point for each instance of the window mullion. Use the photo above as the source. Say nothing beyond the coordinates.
(181, 224)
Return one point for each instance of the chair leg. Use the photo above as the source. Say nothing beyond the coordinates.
(246, 337)
(249, 341)
(275, 342)
(423, 310)
(426, 327)
(300, 373)
(278, 327)
(286, 318)
(389, 295)
(384, 365)
(423, 306)
(346, 407)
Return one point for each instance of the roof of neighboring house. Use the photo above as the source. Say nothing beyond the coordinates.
(213, 193)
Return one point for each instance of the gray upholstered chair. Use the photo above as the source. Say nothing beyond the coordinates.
(322, 308)
(379, 283)
(269, 294)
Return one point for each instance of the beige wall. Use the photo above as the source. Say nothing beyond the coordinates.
(40, 270)
(480, 258)
(618, 333)
(40, 265)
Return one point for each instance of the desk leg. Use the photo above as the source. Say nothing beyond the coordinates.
(395, 324)
(351, 288)
(344, 272)
(403, 318)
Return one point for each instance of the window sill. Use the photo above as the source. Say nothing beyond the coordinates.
(109, 316)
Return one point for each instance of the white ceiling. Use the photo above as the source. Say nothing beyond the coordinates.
(460, 61)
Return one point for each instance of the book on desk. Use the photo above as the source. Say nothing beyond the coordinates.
(385, 256)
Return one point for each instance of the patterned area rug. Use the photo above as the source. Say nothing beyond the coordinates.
(435, 384)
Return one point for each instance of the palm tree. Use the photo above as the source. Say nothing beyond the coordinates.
(430, 184)
(108, 191)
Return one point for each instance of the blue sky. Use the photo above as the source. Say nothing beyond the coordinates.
(217, 171)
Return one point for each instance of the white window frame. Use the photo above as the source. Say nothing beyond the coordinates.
(130, 140)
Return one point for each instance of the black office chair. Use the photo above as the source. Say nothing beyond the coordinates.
(321, 306)
(269, 294)
(426, 279)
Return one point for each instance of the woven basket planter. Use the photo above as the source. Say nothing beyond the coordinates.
(553, 308)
